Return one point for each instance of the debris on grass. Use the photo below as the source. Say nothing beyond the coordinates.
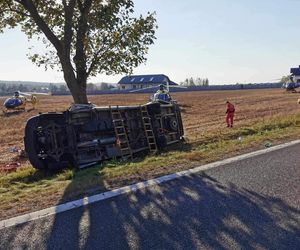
(11, 167)
(268, 144)
(22, 153)
(14, 149)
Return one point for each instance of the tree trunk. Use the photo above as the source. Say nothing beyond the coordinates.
(78, 92)
(77, 88)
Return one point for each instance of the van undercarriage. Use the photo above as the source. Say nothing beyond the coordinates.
(86, 134)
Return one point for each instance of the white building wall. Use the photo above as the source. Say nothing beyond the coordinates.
(136, 86)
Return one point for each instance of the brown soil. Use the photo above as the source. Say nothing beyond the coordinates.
(202, 112)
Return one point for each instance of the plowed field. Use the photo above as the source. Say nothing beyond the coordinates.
(202, 112)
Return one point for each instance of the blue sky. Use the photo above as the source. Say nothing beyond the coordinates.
(227, 41)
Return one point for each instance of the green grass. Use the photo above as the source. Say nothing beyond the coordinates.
(48, 188)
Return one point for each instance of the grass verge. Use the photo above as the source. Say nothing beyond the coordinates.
(29, 189)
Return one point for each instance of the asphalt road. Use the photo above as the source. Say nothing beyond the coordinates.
(251, 204)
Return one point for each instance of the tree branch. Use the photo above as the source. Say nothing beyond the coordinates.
(80, 56)
(68, 32)
(31, 8)
(95, 59)
(93, 64)
(80, 5)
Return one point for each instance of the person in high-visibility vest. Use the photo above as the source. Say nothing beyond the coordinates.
(230, 114)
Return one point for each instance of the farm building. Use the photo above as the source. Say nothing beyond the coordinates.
(143, 81)
(296, 74)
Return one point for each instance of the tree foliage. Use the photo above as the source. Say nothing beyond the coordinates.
(82, 37)
(191, 82)
(285, 79)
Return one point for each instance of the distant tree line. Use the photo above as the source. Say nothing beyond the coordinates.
(195, 82)
(10, 88)
(102, 86)
(285, 79)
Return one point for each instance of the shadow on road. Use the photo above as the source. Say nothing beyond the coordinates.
(189, 213)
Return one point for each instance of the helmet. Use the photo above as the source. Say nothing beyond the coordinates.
(16, 94)
(161, 87)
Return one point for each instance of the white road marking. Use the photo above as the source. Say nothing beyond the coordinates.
(131, 188)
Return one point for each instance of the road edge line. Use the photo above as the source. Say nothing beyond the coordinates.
(131, 188)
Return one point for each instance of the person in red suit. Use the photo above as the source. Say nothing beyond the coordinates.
(230, 114)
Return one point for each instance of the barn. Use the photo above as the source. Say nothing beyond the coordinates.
(143, 81)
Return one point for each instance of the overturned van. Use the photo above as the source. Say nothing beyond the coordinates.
(85, 135)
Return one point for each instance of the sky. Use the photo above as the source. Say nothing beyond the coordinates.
(226, 41)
